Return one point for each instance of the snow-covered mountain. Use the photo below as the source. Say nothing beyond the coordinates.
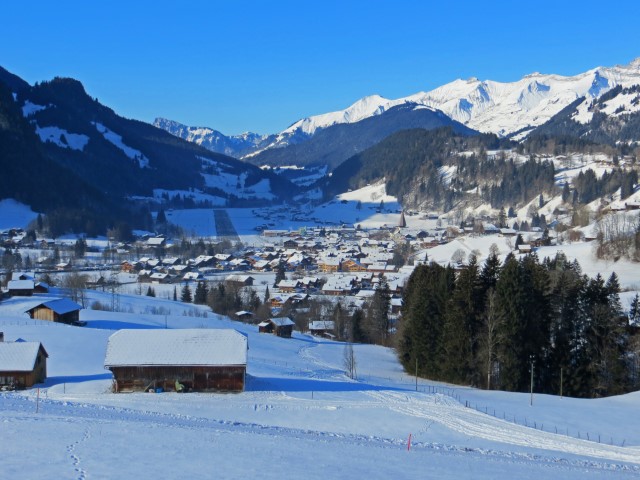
(234, 145)
(487, 105)
(504, 108)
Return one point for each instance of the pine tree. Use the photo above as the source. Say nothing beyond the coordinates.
(377, 314)
(461, 327)
(510, 307)
(186, 294)
(175, 293)
(151, 292)
(280, 273)
(267, 295)
(200, 296)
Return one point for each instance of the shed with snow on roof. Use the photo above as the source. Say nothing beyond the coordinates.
(62, 310)
(282, 326)
(203, 360)
(22, 364)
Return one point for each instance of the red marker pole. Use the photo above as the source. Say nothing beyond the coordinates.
(409, 443)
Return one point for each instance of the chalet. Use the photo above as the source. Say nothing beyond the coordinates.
(129, 267)
(22, 364)
(288, 286)
(524, 248)
(282, 326)
(322, 328)
(156, 242)
(20, 288)
(160, 277)
(242, 280)
(192, 276)
(508, 232)
(203, 360)
(351, 265)
(244, 315)
(62, 310)
(329, 264)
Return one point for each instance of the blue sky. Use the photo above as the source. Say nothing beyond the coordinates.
(261, 65)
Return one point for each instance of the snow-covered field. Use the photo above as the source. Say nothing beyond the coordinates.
(300, 416)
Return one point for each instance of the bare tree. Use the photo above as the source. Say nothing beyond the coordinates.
(349, 361)
(491, 336)
(75, 285)
(459, 256)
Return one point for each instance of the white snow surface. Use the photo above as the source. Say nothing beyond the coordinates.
(29, 108)
(74, 141)
(300, 416)
(14, 214)
(132, 153)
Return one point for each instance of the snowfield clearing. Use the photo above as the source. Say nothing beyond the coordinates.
(299, 416)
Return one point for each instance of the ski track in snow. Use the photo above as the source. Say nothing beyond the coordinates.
(449, 413)
(22, 411)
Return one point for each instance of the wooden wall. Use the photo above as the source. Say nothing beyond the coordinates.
(197, 379)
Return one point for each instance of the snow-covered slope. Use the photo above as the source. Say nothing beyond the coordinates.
(300, 415)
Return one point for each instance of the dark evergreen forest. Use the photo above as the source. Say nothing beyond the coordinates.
(487, 326)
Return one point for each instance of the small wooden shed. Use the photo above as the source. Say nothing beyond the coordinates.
(322, 328)
(282, 326)
(203, 360)
(22, 364)
(62, 310)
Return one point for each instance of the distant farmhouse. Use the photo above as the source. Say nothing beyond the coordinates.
(62, 310)
(202, 360)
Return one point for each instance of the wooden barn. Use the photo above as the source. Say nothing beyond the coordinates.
(22, 364)
(20, 288)
(203, 360)
(265, 327)
(322, 328)
(62, 310)
(282, 327)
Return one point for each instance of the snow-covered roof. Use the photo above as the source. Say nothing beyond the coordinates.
(282, 321)
(321, 325)
(60, 306)
(18, 356)
(20, 284)
(177, 347)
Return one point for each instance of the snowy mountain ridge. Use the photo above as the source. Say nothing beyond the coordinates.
(503, 108)
(490, 106)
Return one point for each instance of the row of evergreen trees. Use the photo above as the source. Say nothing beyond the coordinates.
(489, 326)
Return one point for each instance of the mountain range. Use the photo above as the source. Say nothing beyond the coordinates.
(88, 168)
(506, 109)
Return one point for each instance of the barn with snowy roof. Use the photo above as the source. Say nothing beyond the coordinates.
(62, 310)
(22, 364)
(203, 360)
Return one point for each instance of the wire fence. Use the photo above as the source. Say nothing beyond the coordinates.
(522, 419)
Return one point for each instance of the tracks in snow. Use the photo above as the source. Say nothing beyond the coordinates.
(449, 413)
